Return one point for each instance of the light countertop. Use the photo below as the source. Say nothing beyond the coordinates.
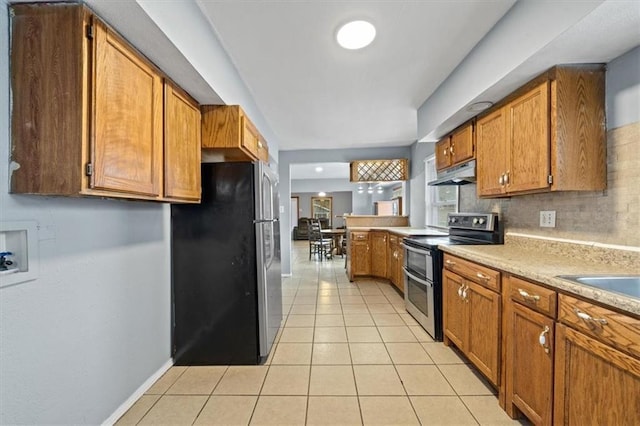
(405, 231)
(537, 264)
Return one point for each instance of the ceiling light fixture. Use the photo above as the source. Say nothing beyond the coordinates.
(319, 169)
(322, 194)
(360, 189)
(370, 190)
(356, 35)
(479, 106)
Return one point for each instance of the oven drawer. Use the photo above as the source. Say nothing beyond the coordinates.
(482, 275)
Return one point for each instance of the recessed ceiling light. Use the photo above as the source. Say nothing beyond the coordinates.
(479, 106)
(319, 169)
(356, 35)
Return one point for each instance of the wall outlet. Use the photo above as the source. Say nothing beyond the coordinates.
(548, 219)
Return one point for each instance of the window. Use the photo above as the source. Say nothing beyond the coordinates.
(439, 200)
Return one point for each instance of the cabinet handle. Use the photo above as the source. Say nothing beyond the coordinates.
(259, 144)
(451, 150)
(542, 339)
(589, 319)
(450, 263)
(464, 294)
(501, 179)
(506, 178)
(533, 298)
(482, 276)
(445, 152)
(460, 290)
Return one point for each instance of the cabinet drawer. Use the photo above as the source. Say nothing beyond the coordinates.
(616, 329)
(359, 236)
(533, 296)
(476, 273)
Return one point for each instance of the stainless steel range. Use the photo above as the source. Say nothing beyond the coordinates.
(423, 264)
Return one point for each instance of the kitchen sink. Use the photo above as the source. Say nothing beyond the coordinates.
(628, 285)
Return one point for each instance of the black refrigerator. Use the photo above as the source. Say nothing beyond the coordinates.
(226, 279)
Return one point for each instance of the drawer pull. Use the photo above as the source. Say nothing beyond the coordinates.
(464, 294)
(534, 298)
(542, 339)
(460, 290)
(450, 263)
(482, 276)
(588, 318)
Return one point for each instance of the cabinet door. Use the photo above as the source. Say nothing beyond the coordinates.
(530, 162)
(399, 272)
(127, 119)
(595, 383)
(360, 258)
(492, 152)
(462, 145)
(443, 156)
(392, 248)
(181, 146)
(455, 310)
(378, 242)
(483, 346)
(530, 363)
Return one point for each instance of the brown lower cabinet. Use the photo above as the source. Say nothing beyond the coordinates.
(529, 337)
(377, 254)
(472, 322)
(566, 361)
(597, 372)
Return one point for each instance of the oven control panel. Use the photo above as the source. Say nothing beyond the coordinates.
(480, 221)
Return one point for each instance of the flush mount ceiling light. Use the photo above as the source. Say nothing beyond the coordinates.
(319, 169)
(321, 194)
(479, 106)
(356, 35)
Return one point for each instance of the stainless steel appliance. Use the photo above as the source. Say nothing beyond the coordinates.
(461, 174)
(423, 264)
(226, 281)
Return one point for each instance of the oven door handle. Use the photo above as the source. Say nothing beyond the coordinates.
(420, 280)
(415, 250)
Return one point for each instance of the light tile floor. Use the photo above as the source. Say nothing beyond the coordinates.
(348, 354)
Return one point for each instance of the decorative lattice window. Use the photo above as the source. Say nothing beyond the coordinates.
(379, 170)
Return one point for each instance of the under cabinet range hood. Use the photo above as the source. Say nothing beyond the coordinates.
(459, 175)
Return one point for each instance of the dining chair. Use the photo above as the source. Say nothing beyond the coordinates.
(321, 247)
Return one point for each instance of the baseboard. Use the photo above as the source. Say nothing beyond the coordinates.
(137, 394)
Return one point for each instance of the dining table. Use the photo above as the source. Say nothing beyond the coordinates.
(336, 234)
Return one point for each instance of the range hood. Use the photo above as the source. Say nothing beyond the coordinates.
(459, 175)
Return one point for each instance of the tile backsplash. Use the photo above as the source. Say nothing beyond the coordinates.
(611, 216)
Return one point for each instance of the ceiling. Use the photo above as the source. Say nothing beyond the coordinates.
(315, 94)
(429, 61)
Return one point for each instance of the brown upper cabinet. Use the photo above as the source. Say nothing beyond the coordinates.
(181, 145)
(226, 130)
(547, 136)
(455, 148)
(87, 110)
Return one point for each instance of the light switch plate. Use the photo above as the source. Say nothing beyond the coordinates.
(548, 219)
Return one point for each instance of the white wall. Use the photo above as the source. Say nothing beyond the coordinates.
(623, 89)
(79, 340)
